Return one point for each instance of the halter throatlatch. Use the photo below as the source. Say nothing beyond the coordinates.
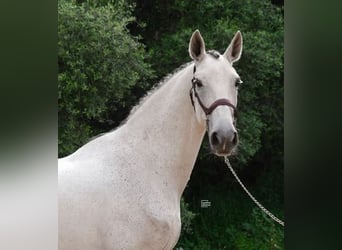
(214, 105)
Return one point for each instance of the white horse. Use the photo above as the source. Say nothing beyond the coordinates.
(122, 190)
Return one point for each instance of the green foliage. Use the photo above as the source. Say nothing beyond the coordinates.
(259, 233)
(233, 221)
(100, 64)
(186, 217)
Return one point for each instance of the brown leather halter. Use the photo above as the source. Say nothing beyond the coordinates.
(214, 105)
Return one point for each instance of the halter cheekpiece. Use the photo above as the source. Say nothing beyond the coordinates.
(214, 105)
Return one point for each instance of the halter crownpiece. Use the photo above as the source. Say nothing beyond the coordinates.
(214, 105)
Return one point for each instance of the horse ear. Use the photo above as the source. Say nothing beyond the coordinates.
(196, 46)
(234, 50)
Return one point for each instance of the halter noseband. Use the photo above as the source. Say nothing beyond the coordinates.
(214, 105)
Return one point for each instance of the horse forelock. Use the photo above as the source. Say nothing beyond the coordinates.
(214, 53)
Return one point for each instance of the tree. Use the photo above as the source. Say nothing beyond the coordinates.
(100, 65)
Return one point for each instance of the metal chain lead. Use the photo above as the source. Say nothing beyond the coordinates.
(273, 217)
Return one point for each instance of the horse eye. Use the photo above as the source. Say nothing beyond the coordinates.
(197, 82)
(238, 82)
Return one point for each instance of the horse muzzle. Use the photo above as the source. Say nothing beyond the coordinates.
(223, 142)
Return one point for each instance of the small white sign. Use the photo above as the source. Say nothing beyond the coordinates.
(205, 203)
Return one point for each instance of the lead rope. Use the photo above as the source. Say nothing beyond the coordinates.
(273, 217)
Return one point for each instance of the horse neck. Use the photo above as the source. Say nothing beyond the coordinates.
(169, 132)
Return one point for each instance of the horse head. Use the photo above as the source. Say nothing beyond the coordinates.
(214, 91)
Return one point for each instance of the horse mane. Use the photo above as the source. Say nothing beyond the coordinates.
(155, 88)
(144, 98)
(165, 79)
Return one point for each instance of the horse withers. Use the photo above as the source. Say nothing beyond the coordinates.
(122, 190)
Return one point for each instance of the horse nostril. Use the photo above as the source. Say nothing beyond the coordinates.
(214, 139)
(235, 138)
